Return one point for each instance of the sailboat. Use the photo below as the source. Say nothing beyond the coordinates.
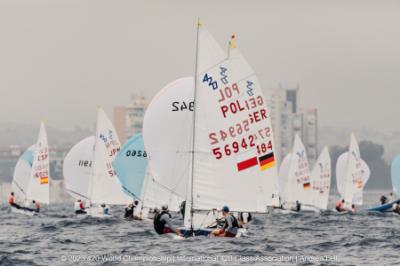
(352, 174)
(295, 180)
(395, 177)
(232, 160)
(88, 171)
(31, 180)
(131, 166)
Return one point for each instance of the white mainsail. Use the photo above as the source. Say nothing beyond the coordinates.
(167, 134)
(233, 157)
(321, 180)
(32, 174)
(352, 173)
(298, 187)
(77, 168)
(104, 186)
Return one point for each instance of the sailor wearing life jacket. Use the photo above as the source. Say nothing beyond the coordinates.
(230, 227)
(340, 205)
(162, 222)
(11, 201)
(79, 207)
(34, 206)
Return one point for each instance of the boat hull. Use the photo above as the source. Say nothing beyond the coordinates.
(385, 207)
(23, 211)
(207, 232)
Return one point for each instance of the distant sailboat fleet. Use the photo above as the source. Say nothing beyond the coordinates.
(207, 143)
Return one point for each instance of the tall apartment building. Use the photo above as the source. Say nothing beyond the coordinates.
(288, 119)
(128, 120)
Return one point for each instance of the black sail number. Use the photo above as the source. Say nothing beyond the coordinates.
(136, 153)
(182, 106)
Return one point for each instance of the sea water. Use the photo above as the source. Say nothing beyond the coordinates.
(58, 237)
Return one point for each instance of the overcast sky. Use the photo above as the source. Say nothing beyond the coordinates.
(61, 59)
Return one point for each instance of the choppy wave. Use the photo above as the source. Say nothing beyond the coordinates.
(57, 234)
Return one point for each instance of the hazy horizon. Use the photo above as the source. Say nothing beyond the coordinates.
(61, 59)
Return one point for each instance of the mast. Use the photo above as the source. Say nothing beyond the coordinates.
(194, 122)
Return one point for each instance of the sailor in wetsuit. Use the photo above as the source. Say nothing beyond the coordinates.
(298, 206)
(383, 200)
(163, 224)
(230, 227)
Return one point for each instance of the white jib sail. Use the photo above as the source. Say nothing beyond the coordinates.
(104, 186)
(167, 134)
(299, 182)
(77, 168)
(155, 195)
(321, 179)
